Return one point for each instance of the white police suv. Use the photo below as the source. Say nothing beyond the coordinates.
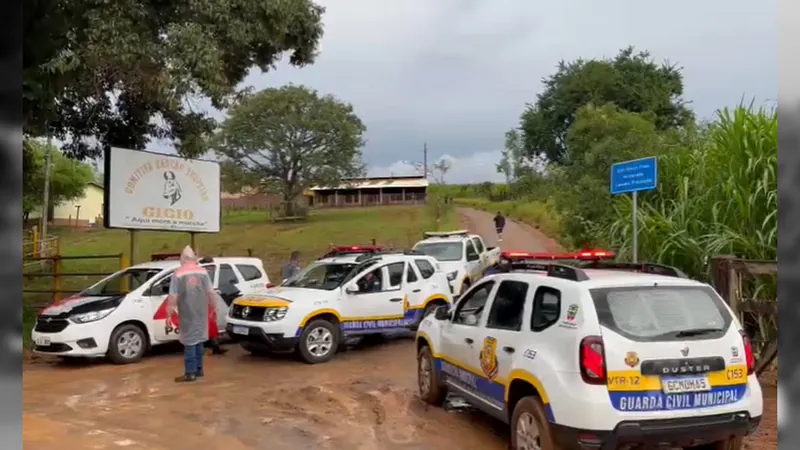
(123, 315)
(595, 354)
(337, 298)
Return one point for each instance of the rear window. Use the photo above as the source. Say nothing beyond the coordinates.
(662, 313)
(249, 272)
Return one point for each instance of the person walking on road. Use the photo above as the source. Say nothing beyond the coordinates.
(191, 294)
(499, 224)
(292, 267)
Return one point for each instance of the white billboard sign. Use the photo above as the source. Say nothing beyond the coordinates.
(153, 191)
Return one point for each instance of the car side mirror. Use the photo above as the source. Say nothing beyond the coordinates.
(442, 313)
(352, 289)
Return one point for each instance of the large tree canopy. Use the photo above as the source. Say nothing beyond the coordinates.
(68, 178)
(631, 81)
(120, 72)
(288, 139)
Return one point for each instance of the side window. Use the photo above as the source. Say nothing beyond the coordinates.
(470, 307)
(426, 269)
(372, 281)
(227, 277)
(478, 244)
(161, 287)
(507, 307)
(395, 275)
(249, 273)
(411, 275)
(211, 270)
(546, 308)
(470, 248)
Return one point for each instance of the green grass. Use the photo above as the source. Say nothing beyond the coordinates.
(395, 226)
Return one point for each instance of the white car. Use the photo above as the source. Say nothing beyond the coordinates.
(337, 298)
(106, 319)
(463, 256)
(600, 355)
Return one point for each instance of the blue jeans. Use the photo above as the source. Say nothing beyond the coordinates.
(193, 359)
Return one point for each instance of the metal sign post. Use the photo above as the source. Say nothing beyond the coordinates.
(634, 176)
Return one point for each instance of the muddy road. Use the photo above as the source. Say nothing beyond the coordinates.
(364, 399)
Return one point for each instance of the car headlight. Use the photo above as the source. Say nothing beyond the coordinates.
(91, 316)
(452, 275)
(274, 314)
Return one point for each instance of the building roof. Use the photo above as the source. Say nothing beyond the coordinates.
(376, 183)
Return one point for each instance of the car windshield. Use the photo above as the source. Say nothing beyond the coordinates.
(442, 251)
(327, 276)
(121, 282)
(661, 312)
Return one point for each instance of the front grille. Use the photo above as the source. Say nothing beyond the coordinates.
(254, 313)
(48, 325)
(53, 348)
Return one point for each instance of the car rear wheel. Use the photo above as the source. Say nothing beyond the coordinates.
(318, 342)
(529, 427)
(431, 389)
(127, 345)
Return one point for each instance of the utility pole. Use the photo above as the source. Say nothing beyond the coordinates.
(46, 197)
(425, 160)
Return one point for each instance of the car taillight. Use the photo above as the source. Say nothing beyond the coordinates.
(748, 353)
(270, 285)
(592, 360)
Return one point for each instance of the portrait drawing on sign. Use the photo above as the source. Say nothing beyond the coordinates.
(172, 189)
(489, 358)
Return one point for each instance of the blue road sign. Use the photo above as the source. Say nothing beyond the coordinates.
(634, 176)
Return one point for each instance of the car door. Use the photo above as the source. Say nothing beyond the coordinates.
(473, 259)
(228, 280)
(252, 276)
(414, 289)
(377, 305)
(157, 296)
(481, 249)
(461, 334)
(501, 338)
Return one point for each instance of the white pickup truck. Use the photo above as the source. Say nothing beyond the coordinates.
(461, 255)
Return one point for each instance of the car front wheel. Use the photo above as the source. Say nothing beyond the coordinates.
(318, 342)
(431, 388)
(127, 345)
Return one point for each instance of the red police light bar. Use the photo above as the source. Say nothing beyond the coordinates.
(356, 248)
(583, 255)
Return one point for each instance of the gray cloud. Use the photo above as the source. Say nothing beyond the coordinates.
(457, 73)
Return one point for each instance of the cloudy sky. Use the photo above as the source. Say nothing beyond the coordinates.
(457, 73)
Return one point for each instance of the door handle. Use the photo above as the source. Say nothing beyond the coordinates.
(469, 341)
(396, 300)
(416, 290)
(508, 349)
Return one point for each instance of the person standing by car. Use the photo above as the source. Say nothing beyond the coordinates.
(499, 224)
(191, 294)
(292, 267)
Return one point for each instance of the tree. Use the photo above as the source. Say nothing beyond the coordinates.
(513, 162)
(633, 82)
(440, 169)
(288, 139)
(99, 73)
(68, 177)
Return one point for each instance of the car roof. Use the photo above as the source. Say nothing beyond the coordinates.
(171, 264)
(437, 239)
(604, 278)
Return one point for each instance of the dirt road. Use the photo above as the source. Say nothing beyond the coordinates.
(364, 399)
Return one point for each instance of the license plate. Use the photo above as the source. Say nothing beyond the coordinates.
(685, 384)
(241, 330)
(43, 341)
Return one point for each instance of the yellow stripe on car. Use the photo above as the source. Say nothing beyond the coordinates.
(264, 302)
(634, 381)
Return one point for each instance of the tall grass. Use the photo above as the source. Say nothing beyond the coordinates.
(717, 198)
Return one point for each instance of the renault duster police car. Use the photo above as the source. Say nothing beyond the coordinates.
(595, 355)
(337, 298)
(463, 256)
(123, 315)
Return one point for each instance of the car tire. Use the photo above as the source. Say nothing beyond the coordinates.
(326, 337)
(431, 387)
(529, 412)
(255, 350)
(127, 345)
